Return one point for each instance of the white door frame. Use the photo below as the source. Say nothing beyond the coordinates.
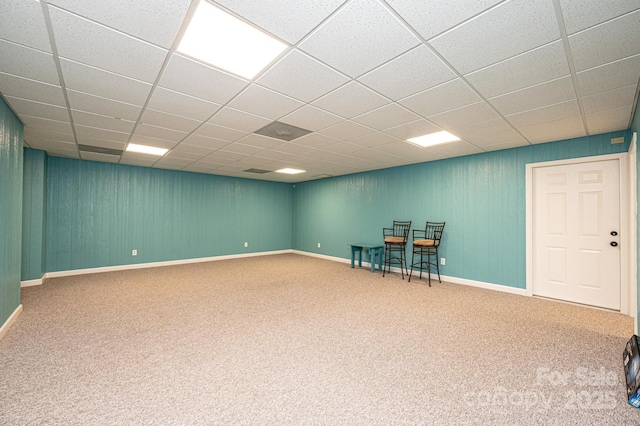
(625, 237)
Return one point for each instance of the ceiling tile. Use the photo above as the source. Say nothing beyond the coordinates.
(507, 30)
(499, 140)
(197, 143)
(350, 100)
(469, 114)
(85, 132)
(558, 130)
(611, 99)
(431, 18)
(581, 14)
(451, 95)
(239, 148)
(239, 120)
(219, 132)
(159, 133)
(22, 21)
(46, 124)
(102, 122)
(413, 129)
(390, 115)
(610, 120)
(180, 155)
(105, 84)
(156, 21)
(53, 145)
(32, 134)
(346, 130)
(172, 163)
(97, 105)
(182, 105)
(37, 109)
(316, 140)
(311, 118)
(84, 41)
(23, 88)
(259, 141)
(456, 149)
(184, 150)
(530, 68)
(288, 19)
(264, 102)
(548, 113)
(291, 148)
(301, 77)
(416, 70)
(29, 63)
(364, 43)
(195, 79)
(549, 93)
(606, 42)
(468, 131)
(374, 139)
(168, 121)
(610, 76)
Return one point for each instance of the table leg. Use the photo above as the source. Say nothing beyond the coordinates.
(353, 255)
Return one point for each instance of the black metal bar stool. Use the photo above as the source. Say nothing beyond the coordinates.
(395, 244)
(425, 244)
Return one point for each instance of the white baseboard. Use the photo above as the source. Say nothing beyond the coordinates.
(481, 284)
(30, 283)
(453, 280)
(72, 272)
(9, 322)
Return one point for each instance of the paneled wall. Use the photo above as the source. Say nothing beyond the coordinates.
(481, 197)
(97, 213)
(33, 214)
(11, 153)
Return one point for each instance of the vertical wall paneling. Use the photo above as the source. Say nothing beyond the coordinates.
(97, 213)
(33, 214)
(11, 155)
(481, 197)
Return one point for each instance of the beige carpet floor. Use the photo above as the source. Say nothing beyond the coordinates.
(296, 340)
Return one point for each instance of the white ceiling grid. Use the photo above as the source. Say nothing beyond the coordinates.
(362, 75)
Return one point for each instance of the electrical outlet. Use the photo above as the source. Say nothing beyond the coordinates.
(443, 261)
(134, 252)
(318, 245)
(246, 244)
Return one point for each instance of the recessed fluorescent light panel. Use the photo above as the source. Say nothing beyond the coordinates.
(434, 139)
(290, 171)
(143, 149)
(220, 39)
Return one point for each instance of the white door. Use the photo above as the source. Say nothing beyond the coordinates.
(576, 228)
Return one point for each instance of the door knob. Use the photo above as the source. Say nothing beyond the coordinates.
(614, 233)
(613, 244)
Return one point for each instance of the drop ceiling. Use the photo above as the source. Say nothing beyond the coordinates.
(86, 78)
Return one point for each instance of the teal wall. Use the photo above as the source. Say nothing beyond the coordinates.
(33, 214)
(10, 210)
(481, 197)
(98, 212)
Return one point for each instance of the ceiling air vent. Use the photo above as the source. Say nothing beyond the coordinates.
(99, 150)
(285, 132)
(257, 171)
